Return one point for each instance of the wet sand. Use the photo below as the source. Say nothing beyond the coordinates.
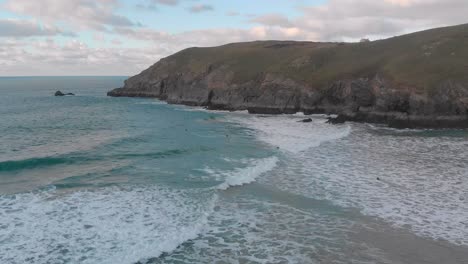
(401, 246)
(372, 240)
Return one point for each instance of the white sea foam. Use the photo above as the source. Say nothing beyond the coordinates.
(422, 186)
(247, 172)
(110, 225)
(247, 230)
(289, 134)
(204, 109)
(423, 180)
(246, 175)
(381, 127)
(152, 102)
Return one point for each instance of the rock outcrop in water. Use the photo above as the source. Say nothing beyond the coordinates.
(307, 120)
(59, 93)
(415, 80)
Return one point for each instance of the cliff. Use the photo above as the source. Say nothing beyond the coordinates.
(415, 80)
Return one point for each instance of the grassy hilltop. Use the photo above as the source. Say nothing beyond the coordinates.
(420, 60)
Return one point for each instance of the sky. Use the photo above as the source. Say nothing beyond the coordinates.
(124, 37)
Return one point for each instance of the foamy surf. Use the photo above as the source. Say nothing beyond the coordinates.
(289, 134)
(112, 225)
(242, 176)
(411, 182)
(152, 102)
(248, 171)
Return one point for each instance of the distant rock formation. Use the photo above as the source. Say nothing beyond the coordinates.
(390, 81)
(59, 93)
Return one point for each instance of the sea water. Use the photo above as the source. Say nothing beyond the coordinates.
(94, 179)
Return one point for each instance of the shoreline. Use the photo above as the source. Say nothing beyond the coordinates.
(398, 120)
(370, 237)
(399, 245)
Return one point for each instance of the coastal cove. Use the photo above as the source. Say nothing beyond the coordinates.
(233, 132)
(137, 180)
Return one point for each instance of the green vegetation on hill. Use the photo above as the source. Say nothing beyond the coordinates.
(418, 61)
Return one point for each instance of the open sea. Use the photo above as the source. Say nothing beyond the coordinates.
(93, 179)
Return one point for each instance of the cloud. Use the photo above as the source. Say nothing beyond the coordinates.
(212, 37)
(200, 8)
(48, 57)
(232, 13)
(406, 3)
(25, 28)
(116, 42)
(334, 20)
(152, 5)
(272, 20)
(352, 19)
(82, 14)
(167, 2)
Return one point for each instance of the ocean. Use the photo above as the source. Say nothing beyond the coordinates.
(94, 179)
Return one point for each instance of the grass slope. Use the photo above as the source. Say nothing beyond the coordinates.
(418, 61)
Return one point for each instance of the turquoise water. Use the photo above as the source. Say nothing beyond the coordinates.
(93, 179)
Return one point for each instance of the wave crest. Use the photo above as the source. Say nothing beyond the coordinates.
(242, 176)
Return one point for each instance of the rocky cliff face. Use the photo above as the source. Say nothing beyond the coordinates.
(370, 95)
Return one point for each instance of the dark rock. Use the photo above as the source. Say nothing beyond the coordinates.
(307, 120)
(340, 119)
(264, 110)
(59, 93)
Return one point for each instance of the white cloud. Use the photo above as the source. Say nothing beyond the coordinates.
(407, 3)
(335, 20)
(81, 14)
(272, 20)
(47, 57)
(352, 19)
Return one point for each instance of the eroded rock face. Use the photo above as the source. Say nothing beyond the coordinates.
(361, 99)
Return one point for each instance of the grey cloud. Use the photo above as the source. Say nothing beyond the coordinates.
(335, 20)
(75, 58)
(348, 19)
(146, 7)
(24, 28)
(338, 20)
(78, 13)
(152, 5)
(167, 2)
(200, 8)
